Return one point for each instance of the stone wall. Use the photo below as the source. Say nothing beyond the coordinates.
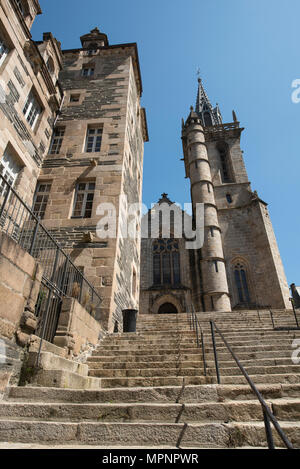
(153, 296)
(247, 233)
(77, 329)
(20, 277)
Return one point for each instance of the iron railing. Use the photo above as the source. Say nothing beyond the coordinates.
(288, 327)
(61, 278)
(196, 327)
(268, 416)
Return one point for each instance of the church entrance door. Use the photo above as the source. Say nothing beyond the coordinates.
(167, 308)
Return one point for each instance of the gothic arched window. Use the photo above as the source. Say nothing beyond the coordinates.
(241, 282)
(166, 262)
(207, 119)
(225, 168)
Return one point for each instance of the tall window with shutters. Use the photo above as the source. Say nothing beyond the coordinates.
(166, 262)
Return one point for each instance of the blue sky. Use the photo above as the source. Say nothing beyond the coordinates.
(248, 54)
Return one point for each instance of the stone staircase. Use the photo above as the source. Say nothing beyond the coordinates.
(154, 393)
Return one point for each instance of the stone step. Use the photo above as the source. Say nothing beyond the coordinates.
(154, 381)
(197, 355)
(224, 323)
(49, 361)
(196, 371)
(257, 370)
(168, 345)
(225, 355)
(124, 365)
(142, 357)
(145, 351)
(146, 346)
(233, 341)
(161, 335)
(277, 378)
(256, 348)
(64, 379)
(241, 410)
(126, 350)
(118, 365)
(205, 435)
(147, 372)
(188, 394)
(147, 412)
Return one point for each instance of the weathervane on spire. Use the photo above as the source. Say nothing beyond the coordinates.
(199, 74)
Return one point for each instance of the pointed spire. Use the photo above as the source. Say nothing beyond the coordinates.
(202, 98)
(209, 115)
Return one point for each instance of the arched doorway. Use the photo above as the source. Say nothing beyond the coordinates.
(167, 308)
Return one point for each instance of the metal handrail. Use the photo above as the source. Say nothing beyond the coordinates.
(8, 189)
(286, 327)
(196, 326)
(268, 415)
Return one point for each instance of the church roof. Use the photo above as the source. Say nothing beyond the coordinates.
(165, 199)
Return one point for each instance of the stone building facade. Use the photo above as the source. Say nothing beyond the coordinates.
(72, 133)
(96, 156)
(166, 266)
(239, 264)
(30, 94)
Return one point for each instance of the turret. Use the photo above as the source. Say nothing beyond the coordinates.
(215, 292)
(94, 40)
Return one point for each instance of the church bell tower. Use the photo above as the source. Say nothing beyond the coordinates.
(215, 294)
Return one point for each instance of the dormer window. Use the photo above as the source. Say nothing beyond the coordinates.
(88, 71)
(74, 98)
(93, 48)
